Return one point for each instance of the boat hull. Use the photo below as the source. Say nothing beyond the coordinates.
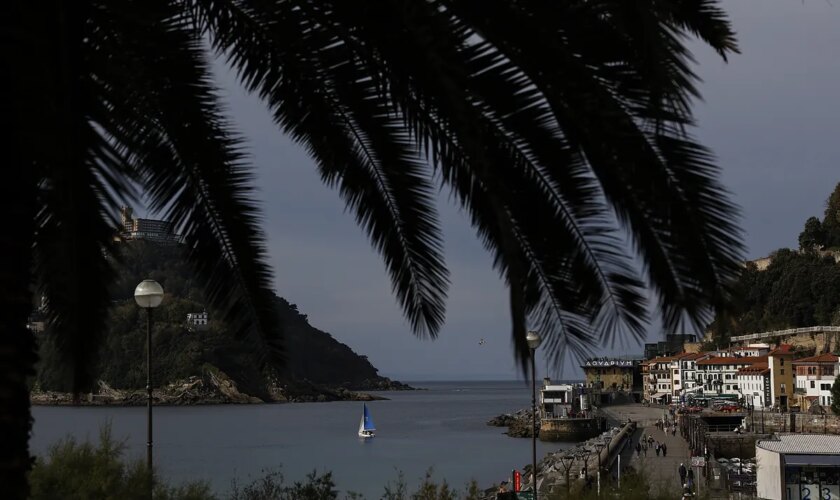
(366, 434)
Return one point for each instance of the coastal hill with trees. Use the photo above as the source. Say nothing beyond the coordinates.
(798, 288)
(317, 366)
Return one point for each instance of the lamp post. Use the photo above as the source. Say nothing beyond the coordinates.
(584, 455)
(598, 448)
(567, 461)
(534, 340)
(148, 295)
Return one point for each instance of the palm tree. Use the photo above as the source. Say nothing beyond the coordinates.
(561, 128)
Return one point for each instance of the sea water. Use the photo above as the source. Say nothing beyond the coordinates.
(442, 429)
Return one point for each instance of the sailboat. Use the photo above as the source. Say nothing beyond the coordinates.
(366, 426)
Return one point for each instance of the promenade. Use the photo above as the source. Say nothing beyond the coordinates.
(662, 472)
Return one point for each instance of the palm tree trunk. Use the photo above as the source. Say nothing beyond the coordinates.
(18, 346)
(17, 343)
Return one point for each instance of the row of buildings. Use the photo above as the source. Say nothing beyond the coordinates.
(757, 375)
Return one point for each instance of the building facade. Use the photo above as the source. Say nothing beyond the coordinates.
(660, 380)
(754, 385)
(798, 467)
(782, 380)
(157, 231)
(198, 321)
(719, 375)
(814, 378)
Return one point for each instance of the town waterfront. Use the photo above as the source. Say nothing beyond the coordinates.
(441, 428)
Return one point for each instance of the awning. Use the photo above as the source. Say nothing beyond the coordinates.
(659, 395)
(812, 398)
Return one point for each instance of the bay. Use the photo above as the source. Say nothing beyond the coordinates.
(442, 428)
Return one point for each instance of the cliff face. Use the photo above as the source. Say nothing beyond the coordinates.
(316, 364)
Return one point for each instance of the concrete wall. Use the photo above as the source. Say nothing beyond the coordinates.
(768, 474)
(794, 422)
(570, 429)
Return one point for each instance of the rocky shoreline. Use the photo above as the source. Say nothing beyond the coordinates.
(519, 423)
(215, 387)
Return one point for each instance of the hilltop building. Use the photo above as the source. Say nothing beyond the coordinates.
(156, 231)
(198, 322)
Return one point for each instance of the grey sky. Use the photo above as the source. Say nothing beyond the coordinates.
(770, 114)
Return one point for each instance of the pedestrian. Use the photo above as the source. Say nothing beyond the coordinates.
(656, 447)
(644, 448)
(682, 473)
(638, 450)
(690, 479)
(674, 430)
(664, 450)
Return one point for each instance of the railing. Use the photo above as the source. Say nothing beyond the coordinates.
(789, 331)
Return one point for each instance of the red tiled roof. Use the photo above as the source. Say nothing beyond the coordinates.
(782, 349)
(755, 369)
(745, 360)
(822, 358)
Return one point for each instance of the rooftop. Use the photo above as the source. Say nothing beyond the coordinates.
(822, 358)
(782, 349)
(808, 444)
(755, 369)
(743, 360)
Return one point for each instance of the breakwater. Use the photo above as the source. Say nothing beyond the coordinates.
(558, 471)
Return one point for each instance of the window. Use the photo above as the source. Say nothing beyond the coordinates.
(783, 371)
(783, 388)
(813, 384)
(825, 387)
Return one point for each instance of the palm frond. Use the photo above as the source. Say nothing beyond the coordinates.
(320, 99)
(190, 162)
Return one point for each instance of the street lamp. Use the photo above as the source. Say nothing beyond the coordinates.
(584, 455)
(598, 448)
(534, 340)
(567, 461)
(148, 295)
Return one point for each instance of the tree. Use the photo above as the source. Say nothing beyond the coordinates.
(831, 219)
(559, 127)
(812, 236)
(835, 395)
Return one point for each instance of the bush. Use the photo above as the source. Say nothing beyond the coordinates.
(75, 471)
(82, 471)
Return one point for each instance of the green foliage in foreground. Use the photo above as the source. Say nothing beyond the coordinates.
(82, 471)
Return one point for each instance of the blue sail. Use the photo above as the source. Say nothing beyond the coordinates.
(368, 421)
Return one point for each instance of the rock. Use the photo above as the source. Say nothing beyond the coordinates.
(519, 424)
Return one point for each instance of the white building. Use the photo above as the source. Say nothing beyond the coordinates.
(659, 378)
(556, 400)
(814, 378)
(198, 321)
(798, 467)
(754, 385)
(686, 373)
(720, 374)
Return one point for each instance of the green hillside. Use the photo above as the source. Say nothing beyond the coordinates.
(312, 355)
(799, 288)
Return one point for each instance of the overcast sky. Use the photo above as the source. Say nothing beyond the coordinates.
(770, 114)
